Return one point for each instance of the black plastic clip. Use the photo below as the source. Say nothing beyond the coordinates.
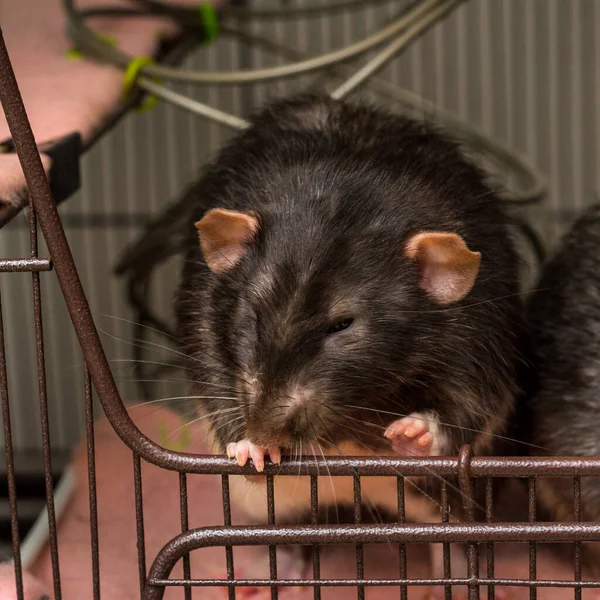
(65, 175)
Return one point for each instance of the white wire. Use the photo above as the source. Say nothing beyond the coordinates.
(96, 48)
(289, 12)
(194, 106)
(379, 61)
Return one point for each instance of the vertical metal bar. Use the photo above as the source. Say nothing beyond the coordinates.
(314, 515)
(577, 514)
(139, 519)
(45, 426)
(227, 523)
(532, 545)
(10, 465)
(183, 507)
(360, 571)
(402, 547)
(468, 498)
(446, 546)
(489, 517)
(91, 458)
(272, 549)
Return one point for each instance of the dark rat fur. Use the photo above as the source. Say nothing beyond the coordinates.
(564, 322)
(338, 190)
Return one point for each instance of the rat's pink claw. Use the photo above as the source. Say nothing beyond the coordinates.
(275, 454)
(415, 435)
(245, 449)
(231, 450)
(257, 453)
(241, 452)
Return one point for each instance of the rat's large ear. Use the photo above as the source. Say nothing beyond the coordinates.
(448, 268)
(223, 237)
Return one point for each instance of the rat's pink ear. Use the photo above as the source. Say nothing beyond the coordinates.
(448, 268)
(223, 237)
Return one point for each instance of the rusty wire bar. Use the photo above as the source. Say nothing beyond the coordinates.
(314, 517)
(577, 554)
(402, 547)
(227, 523)
(468, 498)
(139, 521)
(481, 581)
(489, 517)
(532, 545)
(183, 509)
(44, 421)
(481, 467)
(360, 567)
(446, 546)
(91, 465)
(10, 464)
(25, 265)
(394, 533)
(272, 547)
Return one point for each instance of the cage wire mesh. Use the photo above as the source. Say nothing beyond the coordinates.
(126, 180)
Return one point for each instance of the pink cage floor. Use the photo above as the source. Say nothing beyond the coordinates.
(118, 553)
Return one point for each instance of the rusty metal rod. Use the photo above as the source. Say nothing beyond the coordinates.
(24, 265)
(393, 533)
(560, 583)
(10, 464)
(93, 497)
(468, 499)
(44, 417)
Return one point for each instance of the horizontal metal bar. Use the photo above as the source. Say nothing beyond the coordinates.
(20, 265)
(139, 220)
(392, 467)
(392, 533)
(205, 537)
(561, 583)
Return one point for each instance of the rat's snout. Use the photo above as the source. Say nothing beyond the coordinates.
(286, 417)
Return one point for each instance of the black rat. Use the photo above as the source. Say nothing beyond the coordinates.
(563, 318)
(350, 287)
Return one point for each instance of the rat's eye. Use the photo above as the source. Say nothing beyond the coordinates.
(340, 325)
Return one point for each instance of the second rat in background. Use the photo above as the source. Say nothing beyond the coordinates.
(564, 323)
(350, 288)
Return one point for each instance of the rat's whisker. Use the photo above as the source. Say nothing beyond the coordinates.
(403, 415)
(176, 380)
(137, 323)
(173, 398)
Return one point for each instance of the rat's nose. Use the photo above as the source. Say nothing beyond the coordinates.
(289, 417)
(298, 411)
(298, 398)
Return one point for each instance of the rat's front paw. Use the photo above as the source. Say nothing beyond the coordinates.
(415, 435)
(245, 449)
